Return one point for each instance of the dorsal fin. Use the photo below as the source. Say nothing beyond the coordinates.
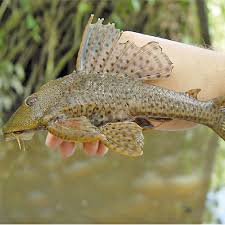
(101, 52)
(193, 93)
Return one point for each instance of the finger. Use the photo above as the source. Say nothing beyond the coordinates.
(91, 147)
(52, 141)
(102, 149)
(67, 149)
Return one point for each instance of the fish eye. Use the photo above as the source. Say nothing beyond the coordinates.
(30, 100)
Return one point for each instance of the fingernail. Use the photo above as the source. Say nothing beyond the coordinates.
(91, 148)
(67, 149)
(68, 153)
(52, 141)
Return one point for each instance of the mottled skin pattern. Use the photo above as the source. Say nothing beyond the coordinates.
(107, 98)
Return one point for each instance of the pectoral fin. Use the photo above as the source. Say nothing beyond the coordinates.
(125, 138)
(77, 129)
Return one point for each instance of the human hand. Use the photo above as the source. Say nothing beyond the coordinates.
(68, 148)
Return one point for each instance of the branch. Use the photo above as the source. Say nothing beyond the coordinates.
(203, 21)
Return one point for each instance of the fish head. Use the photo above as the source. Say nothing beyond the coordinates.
(29, 117)
(24, 121)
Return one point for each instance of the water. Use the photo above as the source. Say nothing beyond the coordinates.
(216, 205)
(167, 185)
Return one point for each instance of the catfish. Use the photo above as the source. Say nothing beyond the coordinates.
(110, 98)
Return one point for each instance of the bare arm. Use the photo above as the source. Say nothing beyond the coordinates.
(194, 67)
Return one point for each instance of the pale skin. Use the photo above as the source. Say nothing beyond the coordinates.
(194, 67)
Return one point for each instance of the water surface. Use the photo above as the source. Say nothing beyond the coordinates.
(168, 184)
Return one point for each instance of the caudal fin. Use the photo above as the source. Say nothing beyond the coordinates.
(220, 128)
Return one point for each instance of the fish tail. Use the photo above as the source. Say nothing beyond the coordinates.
(219, 128)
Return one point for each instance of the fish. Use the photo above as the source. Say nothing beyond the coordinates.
(109, 96)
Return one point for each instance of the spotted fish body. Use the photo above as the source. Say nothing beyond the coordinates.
(107, 97)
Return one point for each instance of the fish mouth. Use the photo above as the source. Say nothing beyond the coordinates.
(22, 135)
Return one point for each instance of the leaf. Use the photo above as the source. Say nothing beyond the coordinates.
(19, 71)
(17, 86)
(151, 2)
(8, 67)
(136, 5)
(25, 4)
(30, 21)
(84, 7)
(116, 18)
(2, 39)
(7, 102)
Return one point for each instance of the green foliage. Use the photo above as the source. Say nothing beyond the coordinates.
(84, 7)
(33, 26)
(216, 9)
(11, 88)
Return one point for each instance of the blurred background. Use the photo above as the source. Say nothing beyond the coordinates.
(180, 178)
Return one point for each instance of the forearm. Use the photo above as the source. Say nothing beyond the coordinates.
(194, 67)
